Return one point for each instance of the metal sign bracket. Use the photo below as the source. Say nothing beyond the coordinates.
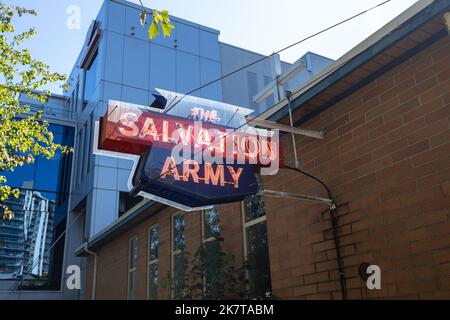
(295, 196)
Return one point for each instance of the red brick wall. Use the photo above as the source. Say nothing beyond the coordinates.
(112, 269)
(386, 157)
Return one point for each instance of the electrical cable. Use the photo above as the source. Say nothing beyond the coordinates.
(312, 177)
(241, 126)
(257, 61)
(334, 225)
(279, 51)
(172, 104)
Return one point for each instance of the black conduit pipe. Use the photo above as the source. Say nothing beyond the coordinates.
(334, 224)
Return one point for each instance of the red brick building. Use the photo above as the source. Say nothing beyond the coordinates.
(385, 108)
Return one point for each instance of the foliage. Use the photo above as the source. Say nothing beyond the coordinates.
(170, 283)
(160, 22)
(210, 275)
(214, 275)
(23, 135)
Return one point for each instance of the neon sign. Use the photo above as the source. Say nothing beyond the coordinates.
(191, 161)
(134, 131)
(199, 114)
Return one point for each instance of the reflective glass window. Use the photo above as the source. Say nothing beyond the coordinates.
(178, 256)
(32, 243)
(258, 260)
(178, 233)
(133, 253)
(90, 78)
(153, 263)
(211, 226)
(257, 246)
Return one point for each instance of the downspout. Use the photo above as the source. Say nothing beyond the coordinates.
(94, 276)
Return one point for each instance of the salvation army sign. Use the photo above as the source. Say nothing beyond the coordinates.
(188, 158)
(192, 184)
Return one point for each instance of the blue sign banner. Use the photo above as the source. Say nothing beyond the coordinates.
(190, 183)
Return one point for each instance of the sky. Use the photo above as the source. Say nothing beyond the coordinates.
(263, 26)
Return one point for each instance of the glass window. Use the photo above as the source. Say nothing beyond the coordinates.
(258, 260)
(132, 286)
(80, 153)
(255, 207)
(153, 263)
(256, 247)
(85, 151)
(76, 97)
(65, 169)
(22, 176)
(28, 246)
(90, 78)
(211, 230)
(153, 282)
(179, 267)
(42, 180)
(211, 227)
(91, 138)
(154, 243)
(178, 232)
(133, 252)
(72, 101)
(178, 258)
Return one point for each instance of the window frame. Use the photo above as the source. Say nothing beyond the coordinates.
(77, 94)
(91, 60)
(173, 252)
(85, 152)
(245, 226)
(91, 137)
(152, 262)
(212, 238)
(79, 146)
(72, 101)
(206, 240)
(129, 269)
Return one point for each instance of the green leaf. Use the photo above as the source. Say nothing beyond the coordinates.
(22, 134)
(153, 31)
(156, 16)
(167, 29)
(165, 16)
